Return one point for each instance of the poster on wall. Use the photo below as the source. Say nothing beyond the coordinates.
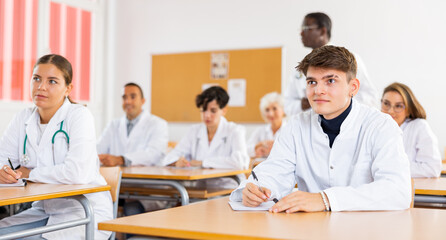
(237, 92)
(219, 65)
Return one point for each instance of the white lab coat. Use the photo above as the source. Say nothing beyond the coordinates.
(296, 89)
(145, 145)
(77, 165)
(366, 168)
(226, 150)
(421, 146)
(260, 134)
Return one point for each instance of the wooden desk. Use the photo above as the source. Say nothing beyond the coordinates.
(214, 219)
(41, 191)
(443, 169)
(430, 186)
(169, 176)
(430, 192)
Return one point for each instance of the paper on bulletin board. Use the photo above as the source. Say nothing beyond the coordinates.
(237, 92)
(219, 65)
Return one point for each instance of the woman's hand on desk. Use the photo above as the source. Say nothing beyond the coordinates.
(263, 148)
(300, 202)
(196, 163)
(7, 175)
(182, 162)
(252, 196)
(260, 150)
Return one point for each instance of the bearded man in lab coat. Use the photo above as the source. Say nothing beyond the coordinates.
(138, 138)
(343, 155)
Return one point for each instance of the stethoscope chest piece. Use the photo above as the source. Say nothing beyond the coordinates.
(24, 160)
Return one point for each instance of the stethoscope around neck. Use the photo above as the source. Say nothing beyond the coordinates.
(25, 158)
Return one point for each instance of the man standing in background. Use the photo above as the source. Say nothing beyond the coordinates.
(316, 32)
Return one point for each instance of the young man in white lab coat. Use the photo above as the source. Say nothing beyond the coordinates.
(138, 138)
(316, 32)
(343, 155)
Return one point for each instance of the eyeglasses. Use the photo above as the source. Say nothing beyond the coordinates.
(307, 28)
(386, 106)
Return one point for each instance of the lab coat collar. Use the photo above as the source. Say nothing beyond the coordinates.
(31, 124)
(270, 130)
(220, 136)
(404, 125)
(123, 126)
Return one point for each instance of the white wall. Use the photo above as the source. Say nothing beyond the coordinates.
(398, 40)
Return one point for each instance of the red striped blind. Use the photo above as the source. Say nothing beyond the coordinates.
(18, 43)
(70, 36)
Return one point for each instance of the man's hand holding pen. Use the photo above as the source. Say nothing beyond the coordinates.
(253, 195)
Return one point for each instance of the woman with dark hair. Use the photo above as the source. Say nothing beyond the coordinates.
(420, 143)
(215, 143)
(53, 142)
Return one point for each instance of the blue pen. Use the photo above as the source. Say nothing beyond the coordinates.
(258, 185)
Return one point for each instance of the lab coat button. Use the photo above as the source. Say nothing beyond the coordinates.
(331, 167)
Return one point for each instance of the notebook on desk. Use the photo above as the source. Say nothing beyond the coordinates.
(238, 206)
(20, 183)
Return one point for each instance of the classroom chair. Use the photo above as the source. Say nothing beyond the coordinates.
(113, 177)
(444, 159)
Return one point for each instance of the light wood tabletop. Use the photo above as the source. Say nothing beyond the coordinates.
(173, 173)
(42, 191)
(214, 219)
(430, 186)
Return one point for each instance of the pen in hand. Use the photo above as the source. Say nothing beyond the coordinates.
(12, 167)
(258, 185)
(10, 164)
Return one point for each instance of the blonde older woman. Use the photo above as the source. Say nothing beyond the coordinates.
(262, 139)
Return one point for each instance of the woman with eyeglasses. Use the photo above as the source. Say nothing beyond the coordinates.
(420, 143)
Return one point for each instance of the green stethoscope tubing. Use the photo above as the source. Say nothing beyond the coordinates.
(52, 140)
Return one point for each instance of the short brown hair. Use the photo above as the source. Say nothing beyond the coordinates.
(413, 107)
(135, 85)
(333, 57)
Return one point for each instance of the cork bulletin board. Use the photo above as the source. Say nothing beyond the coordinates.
(178, 78)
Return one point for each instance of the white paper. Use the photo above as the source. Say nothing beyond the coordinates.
(238, 206)
(237, 92)
(19, 183)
